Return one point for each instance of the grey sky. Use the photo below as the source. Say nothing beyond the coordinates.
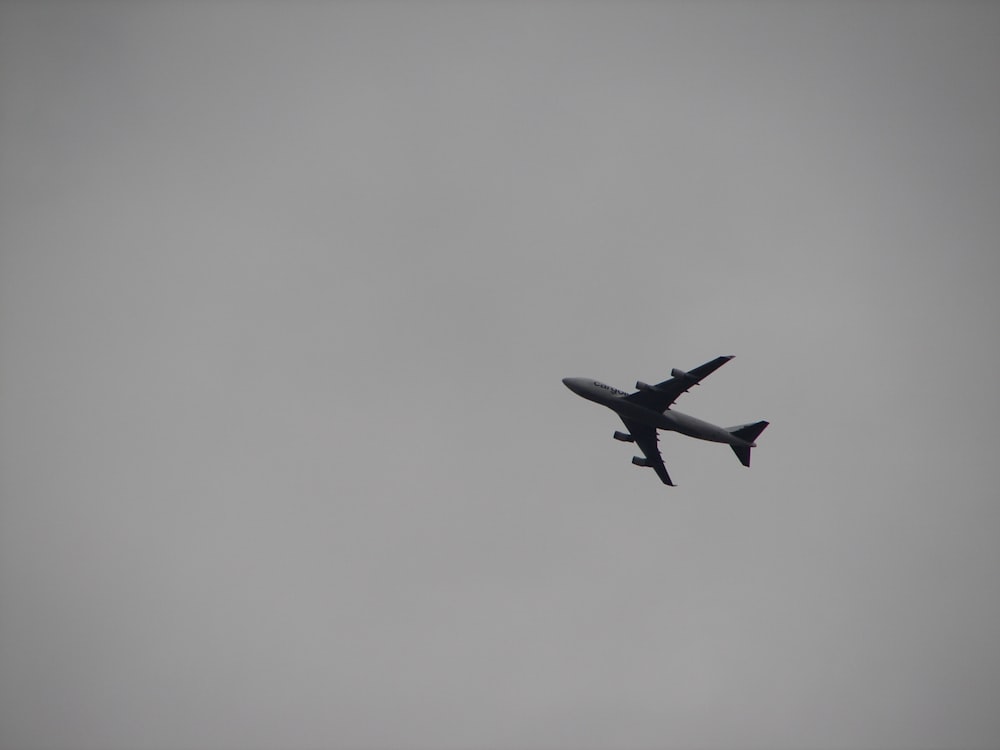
(286, 294)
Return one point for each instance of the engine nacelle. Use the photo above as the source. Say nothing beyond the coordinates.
(640, 386)
(641, 461)
(675, 373)
(624, 437)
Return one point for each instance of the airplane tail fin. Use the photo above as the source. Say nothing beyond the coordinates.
(749, 433)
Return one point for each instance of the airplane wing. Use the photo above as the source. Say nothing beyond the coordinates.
(661, 396)
(647, 440)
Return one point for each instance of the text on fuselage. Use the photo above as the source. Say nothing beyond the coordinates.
(609, 388)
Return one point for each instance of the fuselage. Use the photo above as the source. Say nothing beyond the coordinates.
(614, 399)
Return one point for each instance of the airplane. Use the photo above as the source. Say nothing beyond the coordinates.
(648, 410)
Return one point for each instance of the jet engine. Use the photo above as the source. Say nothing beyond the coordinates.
(640, 386)
(624, 437)
(641, 461)
(675, 373)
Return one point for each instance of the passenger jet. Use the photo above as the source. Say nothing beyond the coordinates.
(648, 410)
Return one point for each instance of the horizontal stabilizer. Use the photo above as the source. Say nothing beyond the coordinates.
(749, 432)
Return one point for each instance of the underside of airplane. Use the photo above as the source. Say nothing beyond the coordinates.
(648, 409)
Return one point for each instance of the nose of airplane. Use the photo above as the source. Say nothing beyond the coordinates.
(571, 383)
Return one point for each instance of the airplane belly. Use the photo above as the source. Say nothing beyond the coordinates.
(635, 413)
(697, 428)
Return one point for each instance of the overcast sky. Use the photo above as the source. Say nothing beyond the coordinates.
(286, 294)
